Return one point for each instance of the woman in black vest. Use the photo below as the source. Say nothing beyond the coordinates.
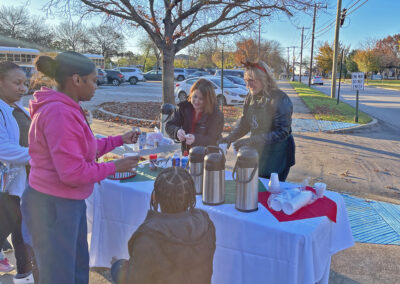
(199, 116)
(267, 115)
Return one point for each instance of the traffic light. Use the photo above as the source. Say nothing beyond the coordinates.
(343, 16)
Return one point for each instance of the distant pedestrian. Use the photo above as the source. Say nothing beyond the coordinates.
(197, 121)
(267, 115)
(175, 245)
(64, 168)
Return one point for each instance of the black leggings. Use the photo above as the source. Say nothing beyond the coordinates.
(10, 220)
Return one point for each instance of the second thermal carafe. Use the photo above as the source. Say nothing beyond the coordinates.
(246, 170)
(214, 179)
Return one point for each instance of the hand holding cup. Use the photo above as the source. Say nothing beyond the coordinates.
(128, 163)
(130, 137)
(189, 139)
(181, 134)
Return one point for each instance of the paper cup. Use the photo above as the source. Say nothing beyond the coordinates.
(126, 155)
(320, 189)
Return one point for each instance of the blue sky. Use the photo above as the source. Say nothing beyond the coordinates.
(374, 19)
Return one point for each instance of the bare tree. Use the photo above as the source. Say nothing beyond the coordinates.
(38, 34)
(176, 24)
(107, 40)
(150, 48)
(70, 36)
(13, 21)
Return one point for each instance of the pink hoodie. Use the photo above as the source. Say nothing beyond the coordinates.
(63, 149)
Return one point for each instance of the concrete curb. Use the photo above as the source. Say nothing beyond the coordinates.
(124, 116)
(354, 128)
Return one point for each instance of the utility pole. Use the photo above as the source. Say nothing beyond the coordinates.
(336, 48)
(312, 45)
(301, 50)
(288, 64)
(259, 38)
(294, 48)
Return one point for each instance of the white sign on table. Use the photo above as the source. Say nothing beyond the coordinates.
(357, 81)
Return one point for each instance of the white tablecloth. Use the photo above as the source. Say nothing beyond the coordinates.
(251, 247)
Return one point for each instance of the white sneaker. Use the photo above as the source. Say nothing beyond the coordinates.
(26, 280)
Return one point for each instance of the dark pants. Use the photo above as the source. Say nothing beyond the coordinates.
(59, 237)
(10, 223)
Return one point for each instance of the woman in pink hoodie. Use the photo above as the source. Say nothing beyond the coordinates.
(63, 163)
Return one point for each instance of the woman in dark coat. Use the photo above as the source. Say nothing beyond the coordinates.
(198, 121)
(267, 115)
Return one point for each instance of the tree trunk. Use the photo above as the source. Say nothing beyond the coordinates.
(168, 55)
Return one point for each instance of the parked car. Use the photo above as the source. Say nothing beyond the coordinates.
(376, 77)
(232, 94)
(180, 74)
(101, 77)
(230, 72)
(132, 75)
(115, 77)
(238, 81)
(198, 74)
(153, 75)
(317, 80)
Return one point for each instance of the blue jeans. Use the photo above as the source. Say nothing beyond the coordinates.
(59, 237)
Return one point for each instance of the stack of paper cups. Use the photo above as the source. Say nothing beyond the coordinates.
(300, 200)
(320, 189)
(273, 185)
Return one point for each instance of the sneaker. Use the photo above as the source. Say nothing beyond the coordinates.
(5, 266)
(24, 280)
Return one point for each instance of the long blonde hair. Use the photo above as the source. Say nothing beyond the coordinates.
(262, 72)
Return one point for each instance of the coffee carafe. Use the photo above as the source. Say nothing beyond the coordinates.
(196, 165)
(214, 177)
(246, 170)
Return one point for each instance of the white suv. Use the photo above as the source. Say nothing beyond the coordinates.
(233, 95)
(132, 75)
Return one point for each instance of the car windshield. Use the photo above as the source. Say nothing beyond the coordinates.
(237, 80)
(227, 83)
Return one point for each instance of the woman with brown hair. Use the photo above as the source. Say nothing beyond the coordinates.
(267, 115)
(198, 116)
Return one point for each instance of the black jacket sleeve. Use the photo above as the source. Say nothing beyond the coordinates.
(242, 127)
(282, 124)
(215, 128)
(141, 266)
(174, 124)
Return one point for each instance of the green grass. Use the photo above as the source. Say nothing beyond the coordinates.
(324, 107)
(391, 84)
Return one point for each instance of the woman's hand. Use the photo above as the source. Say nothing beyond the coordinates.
(126, 164)
(190, 139)
(181, 135)
(130, 137)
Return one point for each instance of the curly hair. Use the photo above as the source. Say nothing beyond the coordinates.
(174, 191)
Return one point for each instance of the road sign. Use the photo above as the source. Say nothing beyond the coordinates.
(357, 81)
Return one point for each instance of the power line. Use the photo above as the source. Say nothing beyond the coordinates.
(353, 5)
(357, 7)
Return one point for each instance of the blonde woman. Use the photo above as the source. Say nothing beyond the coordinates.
(199, 116)
(267, 115)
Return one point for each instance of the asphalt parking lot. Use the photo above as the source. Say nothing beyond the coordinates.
(141, 92)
